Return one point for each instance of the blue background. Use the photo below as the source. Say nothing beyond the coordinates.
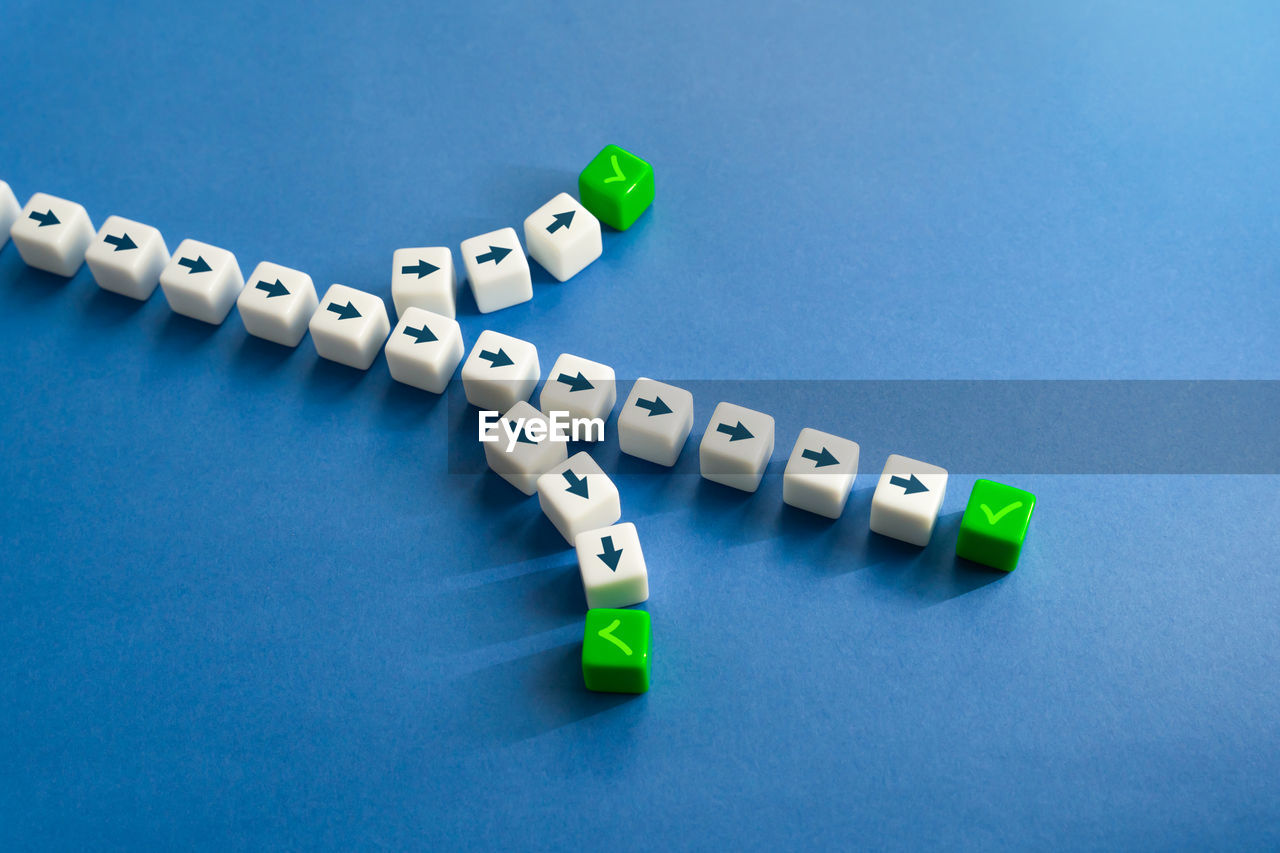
(246, 601)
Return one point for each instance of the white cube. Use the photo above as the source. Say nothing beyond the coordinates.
(655, 422)
(563, 236)
(424, 350)
(521, 461)
(9, 212)
(577, 495)
(500, 371)
(736, 447)
(497, 269)
(424, 278)
(126, 257)
(52, 234)
(612, 566)
(350, 326)
(277, 303)
(907, 499)
(201, 281)
(819, 475)
(582, 388)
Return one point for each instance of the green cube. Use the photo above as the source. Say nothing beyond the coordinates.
(617, 186)
(615, 651)
(994, 525)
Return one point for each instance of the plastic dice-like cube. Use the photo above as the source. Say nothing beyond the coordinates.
(126, 257)
(655, 422)
(994, 525)
(616, 186)
(497, 269)
(563, 236)
(577, 495)
(424, 278)
(582, 388)
(52, 234)
(736, 447)
(201, 281)
(9, 211)
(615, 651)
(612, 566)
(350, 326)
(819, 475)
(424, 350)
(533, 453)
(500, 371)
(907, 499)
(277, 303)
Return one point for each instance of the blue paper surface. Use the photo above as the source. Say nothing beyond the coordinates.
(246, 601)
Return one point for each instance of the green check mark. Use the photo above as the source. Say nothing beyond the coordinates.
(993, 517)
(607, 633)
(617, 171)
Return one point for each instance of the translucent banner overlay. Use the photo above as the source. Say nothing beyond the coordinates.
(980, 427)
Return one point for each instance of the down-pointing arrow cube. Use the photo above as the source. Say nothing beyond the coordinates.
(612, 566)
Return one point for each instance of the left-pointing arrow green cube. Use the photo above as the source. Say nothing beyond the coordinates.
(615, 651)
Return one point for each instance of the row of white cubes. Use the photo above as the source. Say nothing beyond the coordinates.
(203, 281)
(654, 424)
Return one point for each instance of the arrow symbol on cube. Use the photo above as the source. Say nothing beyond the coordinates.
(420, 336)
(44, 218)
(820, 458)
(735, 433)
(495, 254)
(655, 406)
(607, 634)
(421, 268)
(611, 555)
(617, 171)
(122, 243)
(575, 383)
(909, 486)
(577, 485)
(275, 288)
(198, 265)
(561, 220)
(523, 437)
(344, 312)
(496, 359)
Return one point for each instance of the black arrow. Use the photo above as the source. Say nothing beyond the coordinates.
(198, 265)
(523, 437)
(909, 486)
(496, 359)
(561, 220)
(735, 433)
(421, 268)
(123, 243)
(577, 485)
(495, 254)
(420, 336)
(344, 312)
(820, 458)
(275, 288)
(575, 383)
(44, 218)
(611, 555)
(655, 406)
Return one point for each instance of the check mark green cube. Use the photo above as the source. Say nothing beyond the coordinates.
(615, 651)
(617, 186)
(994, 525)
